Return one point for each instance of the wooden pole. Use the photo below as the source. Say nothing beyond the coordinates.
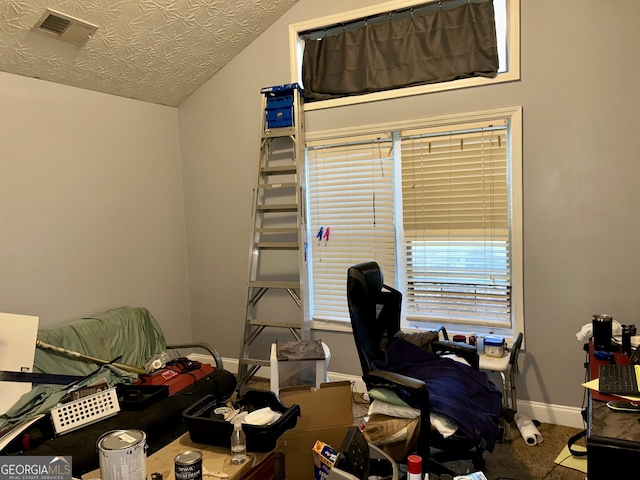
(71, 353)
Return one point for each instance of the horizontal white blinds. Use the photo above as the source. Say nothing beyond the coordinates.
(455, 200)
(350, 188)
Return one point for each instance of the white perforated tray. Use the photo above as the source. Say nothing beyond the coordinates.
(84, 411)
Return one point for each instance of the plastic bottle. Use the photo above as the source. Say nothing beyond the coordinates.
(238, 445)
(480, 345)
(414, 467)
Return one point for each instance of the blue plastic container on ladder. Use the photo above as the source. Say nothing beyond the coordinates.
(279, 109)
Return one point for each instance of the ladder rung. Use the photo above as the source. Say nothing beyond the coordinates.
(279, 170)
(255, 361)
(279, 132)
(276, 230)
(273, 284)
(277, 185)
(278, 245)
(262, 323)
(282, 207)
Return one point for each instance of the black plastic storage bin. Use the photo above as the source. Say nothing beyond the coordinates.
(206, 427)
(140, 397)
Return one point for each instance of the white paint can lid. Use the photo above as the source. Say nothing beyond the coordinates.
(121, 439)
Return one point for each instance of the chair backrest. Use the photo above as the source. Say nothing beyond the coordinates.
(374, 309)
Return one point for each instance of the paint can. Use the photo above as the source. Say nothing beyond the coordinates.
(123, 455)
(188, 465)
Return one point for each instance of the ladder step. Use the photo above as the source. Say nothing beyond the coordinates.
(278, 185)
(255, 361)
(263, 323)
(273, 284)
(278, 245)
(276, 230)
(279, 132)
(282, 207)
(279, 170)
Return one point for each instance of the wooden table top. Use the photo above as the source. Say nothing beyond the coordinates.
(214, 459)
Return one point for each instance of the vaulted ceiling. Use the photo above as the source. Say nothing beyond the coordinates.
(157, 51)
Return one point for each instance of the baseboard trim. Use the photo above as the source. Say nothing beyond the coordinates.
(543, 412)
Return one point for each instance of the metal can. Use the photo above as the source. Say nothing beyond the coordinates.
(188, 465)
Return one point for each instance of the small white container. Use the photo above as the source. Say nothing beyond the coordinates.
(494, 346)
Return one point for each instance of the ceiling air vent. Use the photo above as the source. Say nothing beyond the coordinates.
(63, 27)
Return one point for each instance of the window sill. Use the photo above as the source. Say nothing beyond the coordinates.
(411, 91)
(345, 327)
(452, 330)
(331, 326)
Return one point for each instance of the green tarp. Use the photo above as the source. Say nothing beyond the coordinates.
(129, 333)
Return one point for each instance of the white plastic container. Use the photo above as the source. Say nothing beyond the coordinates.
(480, 345)
(85, 410)
(494, 346)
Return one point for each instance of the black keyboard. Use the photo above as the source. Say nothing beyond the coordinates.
(618, 380)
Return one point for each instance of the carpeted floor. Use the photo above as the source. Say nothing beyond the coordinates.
(512, 459)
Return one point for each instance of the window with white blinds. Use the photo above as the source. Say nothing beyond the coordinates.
(437, 203)
(351, 216)
(455, 204)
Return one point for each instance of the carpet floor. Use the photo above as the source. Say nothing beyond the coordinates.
(511, 459)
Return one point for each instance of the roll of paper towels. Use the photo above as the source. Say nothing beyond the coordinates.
(528, 430)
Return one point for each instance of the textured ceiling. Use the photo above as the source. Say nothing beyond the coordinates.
(157, 51)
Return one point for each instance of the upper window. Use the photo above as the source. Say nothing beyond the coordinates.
(437, 205)
(506, 13)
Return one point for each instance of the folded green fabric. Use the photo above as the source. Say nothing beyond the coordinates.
(386, 395)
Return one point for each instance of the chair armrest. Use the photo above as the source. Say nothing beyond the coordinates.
(464, 350)
(380, 378)
(212, 351)
(440, 328)
(515, 350)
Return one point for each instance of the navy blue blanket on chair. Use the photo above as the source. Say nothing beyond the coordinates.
(456, 391)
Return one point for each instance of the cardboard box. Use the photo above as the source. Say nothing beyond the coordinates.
(326, 414)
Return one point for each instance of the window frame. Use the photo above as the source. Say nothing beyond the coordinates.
(511, 74)
(514, 116)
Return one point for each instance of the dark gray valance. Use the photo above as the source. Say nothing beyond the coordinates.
(420, 49)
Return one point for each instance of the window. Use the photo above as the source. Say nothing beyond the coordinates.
(455, 218)
(507, 15)
(437, 204)
(351, 216)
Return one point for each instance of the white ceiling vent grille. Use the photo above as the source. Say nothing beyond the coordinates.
(64, 27)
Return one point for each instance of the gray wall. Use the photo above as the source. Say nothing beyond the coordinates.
(580, 172)
(91, 206)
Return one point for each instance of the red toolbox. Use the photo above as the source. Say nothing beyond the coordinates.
(177, 375)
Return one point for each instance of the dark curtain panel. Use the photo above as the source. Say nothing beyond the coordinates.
(432, 48)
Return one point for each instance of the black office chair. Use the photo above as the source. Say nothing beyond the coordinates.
(374, 309)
